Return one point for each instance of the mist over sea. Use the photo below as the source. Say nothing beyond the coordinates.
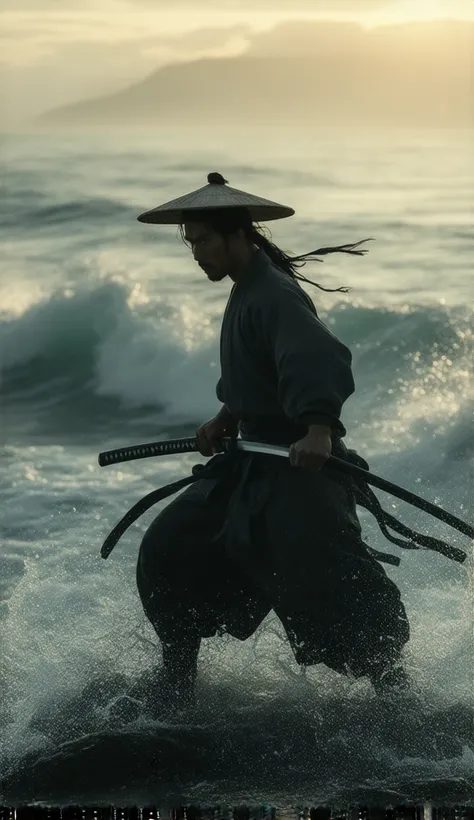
(108, 337)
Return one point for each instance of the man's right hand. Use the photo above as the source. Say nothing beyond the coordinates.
(210, 434)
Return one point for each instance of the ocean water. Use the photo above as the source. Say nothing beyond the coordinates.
(109, 336)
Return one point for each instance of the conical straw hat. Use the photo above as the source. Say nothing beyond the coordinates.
(216, 194)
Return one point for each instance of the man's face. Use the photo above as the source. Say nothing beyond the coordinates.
(210, 250)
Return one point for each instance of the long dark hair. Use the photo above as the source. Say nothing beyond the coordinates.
(227, 221)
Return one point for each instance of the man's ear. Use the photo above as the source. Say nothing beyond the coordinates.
(235, 236)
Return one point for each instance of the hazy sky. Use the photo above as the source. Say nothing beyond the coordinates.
(56, 51)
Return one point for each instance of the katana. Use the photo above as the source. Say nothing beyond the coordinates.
(190, 445)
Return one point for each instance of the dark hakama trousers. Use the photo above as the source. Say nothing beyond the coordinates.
(268, 536)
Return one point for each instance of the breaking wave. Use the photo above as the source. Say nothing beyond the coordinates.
(102, 347)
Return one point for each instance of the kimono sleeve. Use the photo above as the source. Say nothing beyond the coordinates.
(313, 367)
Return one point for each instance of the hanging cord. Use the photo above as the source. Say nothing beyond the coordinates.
(213, 469)
(365, 497)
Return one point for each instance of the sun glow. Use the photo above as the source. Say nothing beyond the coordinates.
(419, 10)
(426, 8)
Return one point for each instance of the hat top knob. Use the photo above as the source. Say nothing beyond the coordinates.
(216, 179)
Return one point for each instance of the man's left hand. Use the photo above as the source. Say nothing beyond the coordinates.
(313, 450)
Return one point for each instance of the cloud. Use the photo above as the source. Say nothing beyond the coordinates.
(28, 38)
(46, 61)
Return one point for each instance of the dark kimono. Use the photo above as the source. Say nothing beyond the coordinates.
(282, 369)
(265, 535)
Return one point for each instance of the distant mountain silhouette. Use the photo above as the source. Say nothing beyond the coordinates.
(414, 74)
